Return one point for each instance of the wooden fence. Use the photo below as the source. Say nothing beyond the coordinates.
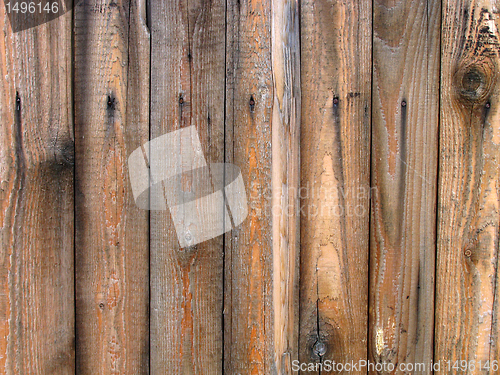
(368, 136)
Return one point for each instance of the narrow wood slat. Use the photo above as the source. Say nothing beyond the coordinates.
(404, 176)
(187, 89)
(285, 53)
(467, 309)
(335, 184)
(36, 199)
(111, 65)
(248, 304)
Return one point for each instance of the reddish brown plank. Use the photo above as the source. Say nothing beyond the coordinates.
(335, 181)
(36, 199)
(469, 190)
(248, 303)
(285, 40)
(111, 119)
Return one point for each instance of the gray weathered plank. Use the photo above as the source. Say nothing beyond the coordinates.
(404, 174)
(187, 75)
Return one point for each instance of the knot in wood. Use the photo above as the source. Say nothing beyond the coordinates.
(61, 154)
(474, 82)
(251, 103)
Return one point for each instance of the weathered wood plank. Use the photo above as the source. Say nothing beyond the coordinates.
(404, 175)
(36, 199)
(187, 89)
(335, 180)
(111, 120)
(248, 304)
(469, 191)
(285, 180)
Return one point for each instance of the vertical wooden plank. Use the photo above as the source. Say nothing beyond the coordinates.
(335, 180)
(285, 180)
(469, 189)
(111, 120)
(136, 247)
(249, 314)
(36, 199)
(187, 62)
(404, 174)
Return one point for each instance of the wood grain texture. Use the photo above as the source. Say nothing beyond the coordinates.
(285, 180)
(404, 176)
(111, 120)
(36, 199)
(469, 189)
(335, 180)
(248, 303)
(187, 76)
(394, 101)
